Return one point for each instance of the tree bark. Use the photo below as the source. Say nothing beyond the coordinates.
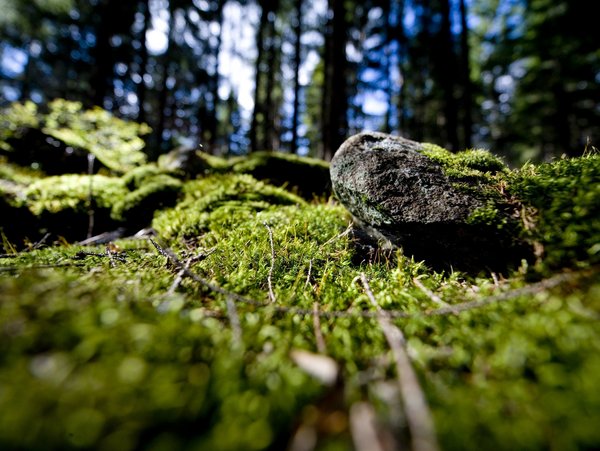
(142, 91)
(297, 62)
(335, 126)
(447, 78)
(258, 113)
(467, 98)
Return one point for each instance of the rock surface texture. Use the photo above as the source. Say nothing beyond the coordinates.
(401, 197)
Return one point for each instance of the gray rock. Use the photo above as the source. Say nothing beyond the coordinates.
(402, 198)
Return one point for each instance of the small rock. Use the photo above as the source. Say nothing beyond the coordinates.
(403, 198)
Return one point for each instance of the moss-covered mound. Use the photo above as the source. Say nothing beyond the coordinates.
(62, 139)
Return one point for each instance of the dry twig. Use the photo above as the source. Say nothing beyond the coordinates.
(234, 320)
(430, 294)
(418, 416)
(321, 347)
(270, 276)
(179, 277)
(363, 427)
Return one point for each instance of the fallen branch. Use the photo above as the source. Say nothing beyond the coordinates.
(418, 416)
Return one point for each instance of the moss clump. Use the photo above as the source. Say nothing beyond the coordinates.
(308, 177)
(137, 207)
(61, 139)
(475, 164)
(224, 196)
(71, 192)
(566, 197)
(116, 143)
(14, 120)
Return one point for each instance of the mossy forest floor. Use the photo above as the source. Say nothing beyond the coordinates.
(250, 320)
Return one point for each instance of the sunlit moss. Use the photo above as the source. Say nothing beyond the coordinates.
(14, 119)
(53, 194)
(566, 197)
(228, 196)
(116, 143)
(468, 164)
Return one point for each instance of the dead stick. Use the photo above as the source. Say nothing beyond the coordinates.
(270, 276)
(234, 320)
(318, 333)
(179, 277)
(418, 416)
(430, 294)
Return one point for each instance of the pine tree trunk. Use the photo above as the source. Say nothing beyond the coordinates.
(467, 98)
(447, 78)
(142, 91)
(336, 125)
(297, 62)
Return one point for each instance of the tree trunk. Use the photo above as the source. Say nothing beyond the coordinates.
(447, 79)
(467, 98)
(335, 126)
(400, 37)
(297, 62)
(258, 113)
(142, 91)
(163, 97)
(101, 78)
(212, 125)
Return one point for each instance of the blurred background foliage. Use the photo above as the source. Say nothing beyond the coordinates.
(517, 76)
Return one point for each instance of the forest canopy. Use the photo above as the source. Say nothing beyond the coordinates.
(517, 76)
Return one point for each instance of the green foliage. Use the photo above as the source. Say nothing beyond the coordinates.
(14, 119)
(137, 207)
(116, 143)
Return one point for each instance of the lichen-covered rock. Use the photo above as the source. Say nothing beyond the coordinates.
(427, 201)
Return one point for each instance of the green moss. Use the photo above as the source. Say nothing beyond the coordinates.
(14, 119)
(136, 178)
(219, 196)
(566, 197)
(308, 177)
(71, 192)
(116, 143)
(474, 164)
(155, 192)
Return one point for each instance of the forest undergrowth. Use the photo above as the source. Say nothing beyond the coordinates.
(248, 318)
